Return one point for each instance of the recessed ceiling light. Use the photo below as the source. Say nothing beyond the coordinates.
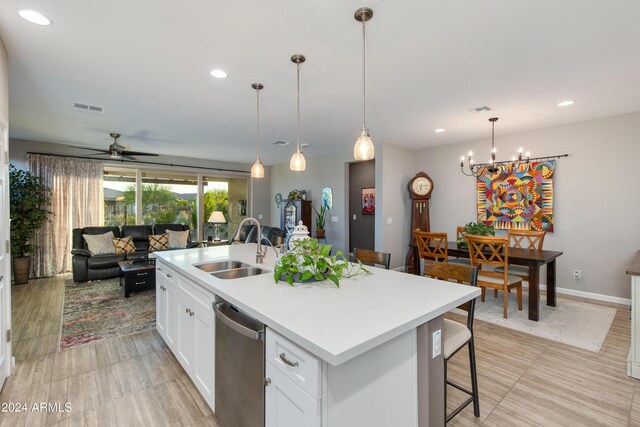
(439, 130)
(566, 103)
(219, 74)
(34, 17)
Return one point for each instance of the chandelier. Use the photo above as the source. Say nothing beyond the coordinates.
(470, 168)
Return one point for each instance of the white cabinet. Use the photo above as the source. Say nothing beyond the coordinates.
(204, 353)
(186, 333)
(187, 327)
(286, 404)
(292, 394)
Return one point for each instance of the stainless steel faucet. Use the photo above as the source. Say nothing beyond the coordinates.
(259, 253)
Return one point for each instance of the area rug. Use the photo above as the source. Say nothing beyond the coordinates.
(98, 310)
(575, 323)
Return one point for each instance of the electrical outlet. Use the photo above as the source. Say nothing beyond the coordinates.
(437, 344)
(577, 274)
(334, 218)
(259, 216)
(389, 220)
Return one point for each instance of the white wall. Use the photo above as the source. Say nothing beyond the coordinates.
(394, 167)
(322, 171)
(596, 200)
(4, 82)
(259, 188)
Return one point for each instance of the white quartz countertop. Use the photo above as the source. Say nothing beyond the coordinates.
(335, 324)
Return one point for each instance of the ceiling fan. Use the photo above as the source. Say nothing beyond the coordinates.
(117, 151)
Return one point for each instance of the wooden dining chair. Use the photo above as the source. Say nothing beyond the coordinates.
(456, 335)
(525, 239)
(493, 252)
(372, 258)
(432, 246)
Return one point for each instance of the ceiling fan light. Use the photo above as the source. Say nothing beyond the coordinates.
(297, 163)
(363, 150)
(257, 170)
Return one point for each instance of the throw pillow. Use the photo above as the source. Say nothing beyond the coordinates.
(178, 239)
(124, 245)
(158, 242)
(100, 243)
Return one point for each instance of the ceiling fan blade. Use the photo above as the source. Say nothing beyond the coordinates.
(91, 149)
(137, 153)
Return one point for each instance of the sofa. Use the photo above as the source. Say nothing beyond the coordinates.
(87, 266)
(249, 234)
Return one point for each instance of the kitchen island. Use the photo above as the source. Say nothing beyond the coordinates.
(364, 352)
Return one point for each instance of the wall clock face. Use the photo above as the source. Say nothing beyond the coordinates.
(421, 186)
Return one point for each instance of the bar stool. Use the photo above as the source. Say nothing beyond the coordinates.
(456, 335)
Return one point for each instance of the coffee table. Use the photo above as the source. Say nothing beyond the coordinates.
(138, 275)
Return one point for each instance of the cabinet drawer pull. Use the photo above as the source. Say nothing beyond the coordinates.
(283, 357)
(169, 275)
(143, 274)
(186, 310)
(159, 269)
(267, 382)
(141, 283)
(191, 313)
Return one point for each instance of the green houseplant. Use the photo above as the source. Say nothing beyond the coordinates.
(308, 261)
(475, 229)
(321, 216)
(29, 203)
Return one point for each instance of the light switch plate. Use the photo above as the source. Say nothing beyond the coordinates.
(334, 218)
(389, 220)
(259, 216)
(354, 217)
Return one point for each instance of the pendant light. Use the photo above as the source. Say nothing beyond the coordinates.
(363, 150)
(257, 170)
(298, 163)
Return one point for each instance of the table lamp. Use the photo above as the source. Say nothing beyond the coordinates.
(217, 218)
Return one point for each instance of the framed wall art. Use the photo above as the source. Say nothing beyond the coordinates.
(368, 200)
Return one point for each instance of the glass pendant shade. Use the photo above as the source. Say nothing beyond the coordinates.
(297, 163)
(363, 150)
(257, 170)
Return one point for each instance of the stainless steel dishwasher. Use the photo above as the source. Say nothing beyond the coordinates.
(239, 367)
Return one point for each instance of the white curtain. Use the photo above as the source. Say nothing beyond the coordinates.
(76, 201)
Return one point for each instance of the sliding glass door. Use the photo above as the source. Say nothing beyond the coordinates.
(174, 198)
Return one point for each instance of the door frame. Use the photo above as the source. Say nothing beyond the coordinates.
(5, 317)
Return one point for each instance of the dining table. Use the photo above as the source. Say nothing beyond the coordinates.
(531, 258)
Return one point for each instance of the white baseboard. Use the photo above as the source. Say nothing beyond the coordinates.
(589, 295)
(573, 292)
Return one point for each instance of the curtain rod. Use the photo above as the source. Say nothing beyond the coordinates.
(143, 162)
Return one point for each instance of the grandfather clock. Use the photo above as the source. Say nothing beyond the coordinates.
(420, 188)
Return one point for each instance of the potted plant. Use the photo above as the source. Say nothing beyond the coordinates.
(321, 216)
(29, 202)
(308, 261)
(475, 229)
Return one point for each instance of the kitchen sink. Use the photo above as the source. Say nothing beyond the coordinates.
(210, 267)
(237, 273)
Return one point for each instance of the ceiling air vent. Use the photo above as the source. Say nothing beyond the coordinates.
(281, 143)
(481, 109)
(86, 108)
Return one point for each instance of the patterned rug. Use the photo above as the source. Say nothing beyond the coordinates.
(98, 310)
(576, 323)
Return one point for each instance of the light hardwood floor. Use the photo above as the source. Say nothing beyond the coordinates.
(136, 381)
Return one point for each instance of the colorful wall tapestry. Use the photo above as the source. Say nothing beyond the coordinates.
(519, 197)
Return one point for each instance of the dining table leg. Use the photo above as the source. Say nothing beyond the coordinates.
(551, 283)
(534, 291)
